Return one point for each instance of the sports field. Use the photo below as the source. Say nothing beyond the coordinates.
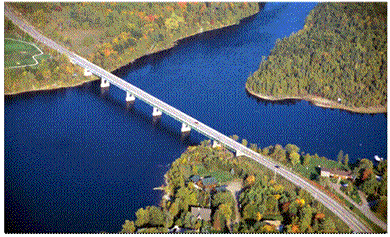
(18, 53)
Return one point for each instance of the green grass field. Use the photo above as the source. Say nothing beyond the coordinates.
(17, 53)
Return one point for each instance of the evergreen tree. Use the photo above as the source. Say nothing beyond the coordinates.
(328, 226)
(346, 160)
(340, 156)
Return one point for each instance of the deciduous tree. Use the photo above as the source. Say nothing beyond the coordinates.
(294, 158)
(128, 227)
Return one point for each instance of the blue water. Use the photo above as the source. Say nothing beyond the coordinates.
(79, 160)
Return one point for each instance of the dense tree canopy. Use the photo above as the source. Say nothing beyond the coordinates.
(340, 53)
(112, 34)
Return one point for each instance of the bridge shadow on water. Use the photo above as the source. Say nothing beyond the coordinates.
(59, 94)
(132, 112)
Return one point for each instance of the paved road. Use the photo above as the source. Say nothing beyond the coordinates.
(331, 204)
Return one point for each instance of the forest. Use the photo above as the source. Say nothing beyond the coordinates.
(339, 55)
(112, 34)
(266, 203)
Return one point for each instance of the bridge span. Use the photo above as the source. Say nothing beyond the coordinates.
(188, 123)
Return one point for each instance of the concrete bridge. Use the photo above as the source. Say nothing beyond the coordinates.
(131, 93)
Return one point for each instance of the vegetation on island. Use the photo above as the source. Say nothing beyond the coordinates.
(262, 202)
(112, 34)
(52, 71)
(339, 59)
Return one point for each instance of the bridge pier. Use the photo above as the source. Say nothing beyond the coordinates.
(130, 97)
(185, 128)
(156, 112)
(87, 73)
(239, 153)
(216, 144)
(104, 83)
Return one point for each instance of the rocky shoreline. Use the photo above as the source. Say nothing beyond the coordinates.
(321, 102)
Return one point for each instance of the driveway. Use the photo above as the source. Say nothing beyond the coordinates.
(364, 208)
(235, 187)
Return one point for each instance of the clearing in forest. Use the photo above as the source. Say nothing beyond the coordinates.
(18, 53)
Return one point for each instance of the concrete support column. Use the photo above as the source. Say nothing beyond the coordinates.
(216, 144)
(156, 112)
(239, 153)
(87, 73)
(185, 128)
(129, 97)
(104, 83)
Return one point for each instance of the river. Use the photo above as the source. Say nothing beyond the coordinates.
(79, 160)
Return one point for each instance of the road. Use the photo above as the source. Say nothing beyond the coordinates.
(343, 213)
(364, 208)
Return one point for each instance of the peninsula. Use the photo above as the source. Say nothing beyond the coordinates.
(338, 60)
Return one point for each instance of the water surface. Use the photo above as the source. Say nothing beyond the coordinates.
(78, 160)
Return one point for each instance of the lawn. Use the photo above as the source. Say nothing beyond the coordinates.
(18, 53)
(220, 175)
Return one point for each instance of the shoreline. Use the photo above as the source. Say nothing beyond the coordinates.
(152, 52)
(321, 102)
(44, 89)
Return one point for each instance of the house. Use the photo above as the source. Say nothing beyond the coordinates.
(335, 173)
(201, 213)
(221, 188)
(276, 223)
(204, 182)
(195, 178)
(209, 182)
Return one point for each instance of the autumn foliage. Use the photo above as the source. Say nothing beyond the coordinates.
(366, 174)
(319, 216)
(250, 180)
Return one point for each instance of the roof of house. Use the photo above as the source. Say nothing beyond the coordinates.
(221, 188)
(274, 223)
(337, 172)
(202, 213)
(209, 181)
(195, 178)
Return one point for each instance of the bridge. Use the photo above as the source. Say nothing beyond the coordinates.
(188, 123)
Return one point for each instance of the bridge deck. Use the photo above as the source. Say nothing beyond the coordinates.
(335, 207)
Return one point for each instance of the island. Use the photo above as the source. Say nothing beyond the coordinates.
(338, 60)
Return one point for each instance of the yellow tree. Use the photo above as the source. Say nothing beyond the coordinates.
(295, 158)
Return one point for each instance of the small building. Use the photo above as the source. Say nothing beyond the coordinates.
(335, 173)
(276, 223)
(221, 188)
(195, 178)
(209, 182)
(201, 213)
